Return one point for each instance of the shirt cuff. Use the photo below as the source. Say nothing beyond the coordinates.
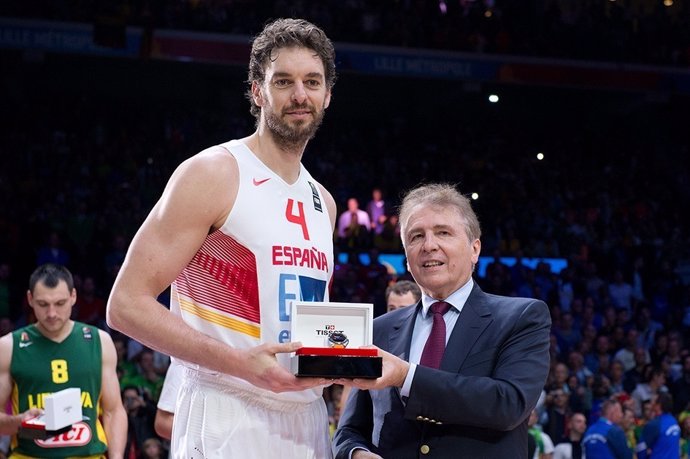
(407, 385)
(352, 451)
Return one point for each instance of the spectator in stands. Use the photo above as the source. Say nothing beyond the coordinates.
(626, 355)
(655, 383)
(628, 424)
(684, 421)
(557, 415)
(636, 375)
(568, 336)
(401, 294)
(647, 415)
(673, 360)
(680, 388)
(605, 438)
(571, 447)
(576, 366)
(558, 378)
(544, 444)
(152, 448)
(90, 306)
(353, 227)
(389, 239)
(660, 348)
(52, 251)
(377, 211)
(601, 393)
(661, 435)
(593, 282)
(616, 376)
(620, 292)
(648, 327)
(146, 376)
(141, 413)
(602, 350)
(125, 368)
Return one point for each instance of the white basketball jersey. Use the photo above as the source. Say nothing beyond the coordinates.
(275, 247)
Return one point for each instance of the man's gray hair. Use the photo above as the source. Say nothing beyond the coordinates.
(442, 195)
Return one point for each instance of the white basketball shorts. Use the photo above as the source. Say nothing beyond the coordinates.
(217, 420)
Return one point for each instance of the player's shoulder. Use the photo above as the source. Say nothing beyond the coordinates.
(213, 162)
(6, 340)
(22, 332)
(104, 335)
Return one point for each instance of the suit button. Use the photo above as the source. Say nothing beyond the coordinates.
(424, 449)
(426, 419)
(438, 423)
(419, 418)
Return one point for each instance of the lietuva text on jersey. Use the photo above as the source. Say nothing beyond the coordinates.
(37, 400)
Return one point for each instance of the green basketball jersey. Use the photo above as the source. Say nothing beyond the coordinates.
(40, 367)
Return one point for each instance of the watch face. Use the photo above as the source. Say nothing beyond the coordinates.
(338, 340)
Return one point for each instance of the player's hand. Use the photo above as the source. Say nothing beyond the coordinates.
(393, 374)
(260, 367)
(16, 421)
(30, 413)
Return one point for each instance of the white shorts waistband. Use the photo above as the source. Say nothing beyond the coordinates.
(198, 380)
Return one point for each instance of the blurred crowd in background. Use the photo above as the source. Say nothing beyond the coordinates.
(88, 144)
(635, 31)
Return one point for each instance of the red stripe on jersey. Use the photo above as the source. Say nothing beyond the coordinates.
(222, 275)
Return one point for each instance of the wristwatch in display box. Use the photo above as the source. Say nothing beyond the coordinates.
(332, 335)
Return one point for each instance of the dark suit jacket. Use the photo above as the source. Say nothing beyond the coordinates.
(476, 405)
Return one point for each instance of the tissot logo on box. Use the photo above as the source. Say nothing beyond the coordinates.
(327, 330)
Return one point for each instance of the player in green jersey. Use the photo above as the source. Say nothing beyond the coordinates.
(57, 353)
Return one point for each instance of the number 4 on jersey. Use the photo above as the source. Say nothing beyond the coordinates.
(298, 218)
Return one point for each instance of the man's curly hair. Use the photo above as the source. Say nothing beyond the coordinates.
(287, 33)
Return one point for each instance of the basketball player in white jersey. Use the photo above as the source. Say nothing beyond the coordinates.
(241, 232)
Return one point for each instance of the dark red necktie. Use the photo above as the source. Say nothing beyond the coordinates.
(436, 344)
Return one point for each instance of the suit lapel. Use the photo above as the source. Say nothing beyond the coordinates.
(473, 320)
(400, 336)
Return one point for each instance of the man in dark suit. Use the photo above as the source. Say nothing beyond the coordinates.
(495, 363)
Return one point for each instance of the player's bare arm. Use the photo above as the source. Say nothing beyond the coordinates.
(114, 415)
(197, 200)
(9, 424)
(163, 423)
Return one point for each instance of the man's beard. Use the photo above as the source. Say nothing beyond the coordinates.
(292, 135)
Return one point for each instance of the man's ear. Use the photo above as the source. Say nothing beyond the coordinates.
(327, 101)
(257, 94)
